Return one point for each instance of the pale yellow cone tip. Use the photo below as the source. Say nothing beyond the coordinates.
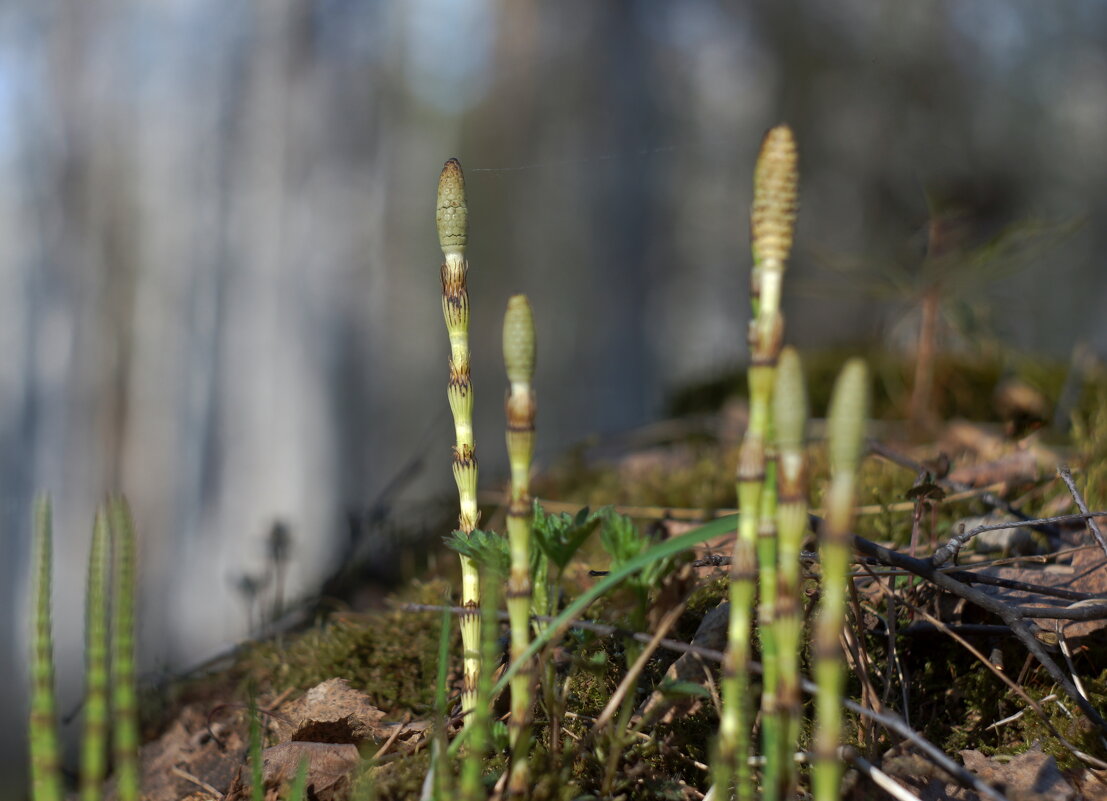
(519, 340)
(774, 195)
(452, 214)
(789, 400)
(849, 412)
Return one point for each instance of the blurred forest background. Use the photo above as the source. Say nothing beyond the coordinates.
(219, 283)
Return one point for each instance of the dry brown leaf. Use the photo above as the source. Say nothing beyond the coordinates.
(188, 746)
(1031, 776)
(335, 712)
(329, 766)
(332, 712)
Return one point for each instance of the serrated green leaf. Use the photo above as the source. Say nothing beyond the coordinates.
(560, 536)
(487, 548)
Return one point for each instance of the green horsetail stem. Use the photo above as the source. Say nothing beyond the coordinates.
(849, 411)
(771, 722)
(45, 761)
(480, 730)
(519, 354)
(771, 221)
(94, 739)
(123, 696)
(452, 218)
(790, 421)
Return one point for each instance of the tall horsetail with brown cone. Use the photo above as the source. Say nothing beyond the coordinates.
(849, 411)
(790, 423)
(452, 218)
(519, 350)
(772, 220)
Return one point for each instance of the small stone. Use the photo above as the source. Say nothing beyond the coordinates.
(1015, 541)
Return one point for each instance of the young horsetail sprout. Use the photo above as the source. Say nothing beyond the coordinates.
(771, 221)
(124, 699)
(45, 763)
(790, 423)
(94, 738)
(849, 411)
(519, 349)
(452, 218)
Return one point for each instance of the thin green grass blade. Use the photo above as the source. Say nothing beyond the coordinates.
(94, 743)
(45, 763)
(257, 779)
(124, 698)
(440, 764)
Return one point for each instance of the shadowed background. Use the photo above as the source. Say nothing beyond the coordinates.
(219, 284)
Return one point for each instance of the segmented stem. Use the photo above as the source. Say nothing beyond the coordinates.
(771, 222)
(790, 418)
(452, 218)
(124, 699)
(94, 740)
(480, 736)
(849, 411)
(519, 353)
(771, 724)
(45, 762)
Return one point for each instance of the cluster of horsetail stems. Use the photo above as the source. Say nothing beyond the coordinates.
(110, 572)
(772, 220)
(849, 411)
(519, 353)
(452, 218)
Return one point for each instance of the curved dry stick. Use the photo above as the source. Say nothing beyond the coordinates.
(1066, 476)
(950, 549)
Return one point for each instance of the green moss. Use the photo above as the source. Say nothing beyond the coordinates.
(402, 779)
(697, 474)
(391, 655)
(963, 383)
(1073, 726)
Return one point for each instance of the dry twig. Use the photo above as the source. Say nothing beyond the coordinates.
(1066, 476)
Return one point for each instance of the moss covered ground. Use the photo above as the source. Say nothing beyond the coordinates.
(391, 653)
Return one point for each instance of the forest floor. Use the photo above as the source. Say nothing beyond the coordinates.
(353, 685)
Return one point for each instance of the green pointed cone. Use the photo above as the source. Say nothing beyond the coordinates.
(452, 214)
(773, 217)
(789, 401)
(519, 340)
(849, 412)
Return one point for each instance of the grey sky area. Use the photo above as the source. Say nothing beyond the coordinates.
(219, 286)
